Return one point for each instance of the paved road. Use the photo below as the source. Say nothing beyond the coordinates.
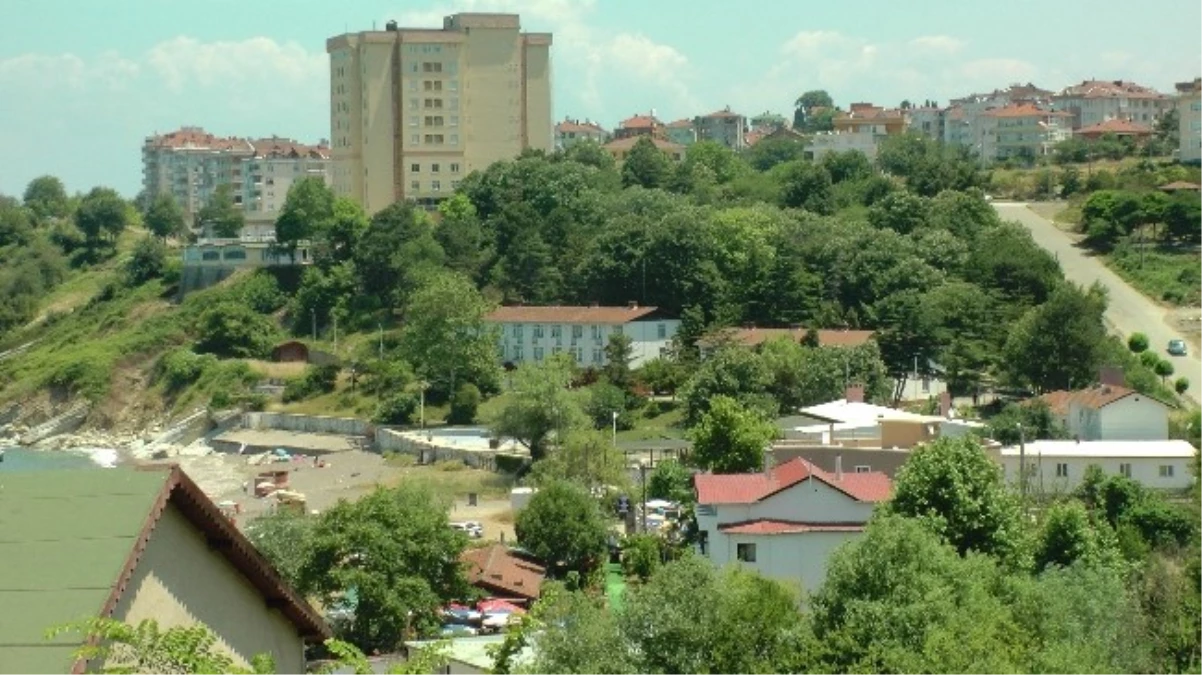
(1128, 311)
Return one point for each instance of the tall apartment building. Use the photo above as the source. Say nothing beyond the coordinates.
(1189, 116)
(190, 164)
(414, 110)
(723, 127)
(1095, 101)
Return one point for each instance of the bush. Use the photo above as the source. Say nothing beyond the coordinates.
(1181, 385)
(450, 465)
(464, 405)
(1163, 368)
(396, 409)
(182, 367)
(604, 400)
(317, 380)
(233, 329)
(1138, 343)
(84, 376)
(641, 556)
(1149, 359)
(261, 292)
(149, 261)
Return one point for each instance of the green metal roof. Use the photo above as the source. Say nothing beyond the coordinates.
(65, 536)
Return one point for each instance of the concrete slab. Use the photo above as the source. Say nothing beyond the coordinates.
(263, 440)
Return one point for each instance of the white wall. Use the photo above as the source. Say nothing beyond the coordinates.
(1146, 470)
(646, 343)
(1134, 418)
(797, 558)
(920, 389)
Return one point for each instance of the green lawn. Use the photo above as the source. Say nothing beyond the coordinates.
(649, 427)
(615, 585)
(1173, 277)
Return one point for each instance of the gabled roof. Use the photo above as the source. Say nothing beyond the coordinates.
(640, 122)
(70, 541)
(499, 568)
(680, 124)
(750, 337)
(1023, 110)
(629, 142)
(1116, 126)
(1095, 397)
(749, 488)
(1109, 89)
(769, 526)
(577, 126)
(725, 112)
(571, 314)
(1103, 449)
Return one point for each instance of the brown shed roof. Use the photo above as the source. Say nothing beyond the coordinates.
(499, 569)
(571, 314)
(1096, 397)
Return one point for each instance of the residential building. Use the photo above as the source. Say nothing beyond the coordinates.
(571, 131)
(860, 128)
(640, 125)
(1189, 121)
(621, 147)
(210, 261)
(722, 127)
(502, 572)
(1117, 128)
(1110, 412)
(786, 521)
(927, 121)
(535, 333)
(767, 122)
(135, 544)
(1021, 131)
(190, 164)
(680, 132)
(1057, 467)
(1095, 101)
(414, 110)
(962, 119)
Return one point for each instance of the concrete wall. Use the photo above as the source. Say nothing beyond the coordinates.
(1134, 418)
(346, 426)
(799, 559)
(389, 440)
(179, 581)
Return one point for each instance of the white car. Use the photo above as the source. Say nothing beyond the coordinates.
(473, 529)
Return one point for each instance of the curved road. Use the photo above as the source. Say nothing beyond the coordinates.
(1128, 311)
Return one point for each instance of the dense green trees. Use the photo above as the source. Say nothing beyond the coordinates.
(221, 216)
(563, 526)
(164, 217)
(730, 438)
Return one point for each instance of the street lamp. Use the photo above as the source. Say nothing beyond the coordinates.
(643, 479)
(422, 387)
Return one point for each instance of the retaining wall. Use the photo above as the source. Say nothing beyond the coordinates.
(346, 426)
(389, 440)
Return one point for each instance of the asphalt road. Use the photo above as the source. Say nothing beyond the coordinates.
(1128, 311)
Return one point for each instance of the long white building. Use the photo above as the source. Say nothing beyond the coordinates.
(534, 333)
(1056, 467)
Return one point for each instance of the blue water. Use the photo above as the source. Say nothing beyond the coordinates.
(21, 459)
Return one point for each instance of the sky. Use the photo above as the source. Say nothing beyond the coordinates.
(83, 82)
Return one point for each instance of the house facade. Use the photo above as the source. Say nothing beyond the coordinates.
(722, 127)
(1189, 121)
(1022, 130)
(571, 131)
(132, 545)
(681, 132)
(1095, 101)
(1110, 412)
(535, 333)
(639, 125)
(1057, 467)
(784, 522)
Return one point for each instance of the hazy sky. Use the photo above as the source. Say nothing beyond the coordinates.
(82, 82)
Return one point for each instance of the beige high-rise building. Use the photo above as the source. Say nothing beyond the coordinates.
(414, 110)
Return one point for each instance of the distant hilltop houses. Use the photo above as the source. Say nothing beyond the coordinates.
(1021, 120)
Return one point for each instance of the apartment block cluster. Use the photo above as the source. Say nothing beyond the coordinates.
(724, 127)
(191, 164)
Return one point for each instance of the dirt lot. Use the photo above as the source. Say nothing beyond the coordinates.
(1188, 322)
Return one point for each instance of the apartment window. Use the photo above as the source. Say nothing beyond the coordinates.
(538, 353)
(454, 167)
(412, 121)
(596, 356)
(413, 67)
(517, 353)
(455, 103)
(413, 85)
(434, 120)
(578, 354)
(416, 186)
(415, 139)
(745, 552)
(1125, 470)
(434, 139)
(863, 468)
(1062, 470)
(595, 331)
(414, 104)
(517, 331)
(436, 186)
(661, 331)
(1166, 470)
(538, 331)
(434, 103)
(454, 120)
(454, 139)
(453, 85)
(415, 168)
(454, 185)
(432, 67)
(577, 331)
(556, 350)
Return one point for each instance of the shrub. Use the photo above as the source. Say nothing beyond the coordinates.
(464, 405)
(1164, 369)
(399, 459)
(261, 292)
(641, 556)
(1138, 343)
(180, 368)
(1149, 359)
(1181, 385)
(317, 380)
(87, 377)
(396, 409)
(149, 261)
(450, 465)
(233, 329)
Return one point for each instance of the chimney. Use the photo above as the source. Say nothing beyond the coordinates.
(838, 467)
(854, 394)
(1112, 375)
(945, 404)
(632, 304)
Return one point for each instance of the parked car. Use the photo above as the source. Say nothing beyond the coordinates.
(472, 528)
(1177, 347)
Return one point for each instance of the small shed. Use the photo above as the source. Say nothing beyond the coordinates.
(290, 352)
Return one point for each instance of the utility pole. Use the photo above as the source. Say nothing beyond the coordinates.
(422, 387)
(1022, 465)
(313, 316)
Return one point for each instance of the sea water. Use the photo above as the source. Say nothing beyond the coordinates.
(24, 459)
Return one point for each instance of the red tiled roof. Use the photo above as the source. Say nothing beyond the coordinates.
(579, 127)
(680, 124)
(197, 138)
(749, 488)
(1109, 89)
(769, 526)
(1115, 126)
(1095, 397)
(750, 337)
(641, 122)
(725, 112)
(566, 314)
(498, 568)
(276, 147)
(1023, 110)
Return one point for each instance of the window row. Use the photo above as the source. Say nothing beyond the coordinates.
(518, 353)
(434, 168)
(435, 185)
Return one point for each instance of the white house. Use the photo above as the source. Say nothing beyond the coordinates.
(784, 522)
(534, 333)
(1057, 466)
(1110, 412)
